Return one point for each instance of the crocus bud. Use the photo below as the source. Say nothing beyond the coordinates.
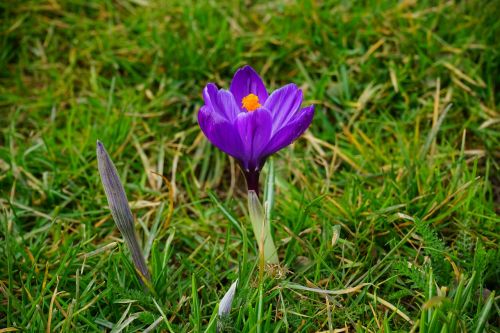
(118, 204)
(261, 229)
(225, 307)
(227, 300)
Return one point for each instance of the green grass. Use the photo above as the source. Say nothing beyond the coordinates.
(389, 202)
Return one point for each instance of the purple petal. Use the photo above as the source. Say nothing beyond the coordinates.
(255, 130)
(220, 101)
(220, 132)
(284, 104)
(290, 132)
(210, 92)
(247, 81)
(205, 119)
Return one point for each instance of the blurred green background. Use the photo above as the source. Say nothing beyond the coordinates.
(413, 189)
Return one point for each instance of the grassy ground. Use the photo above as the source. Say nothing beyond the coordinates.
(390, 200)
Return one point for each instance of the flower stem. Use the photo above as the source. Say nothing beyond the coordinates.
(252, 178)
(261, 229)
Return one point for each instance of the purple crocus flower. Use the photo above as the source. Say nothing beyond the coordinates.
(249, 124)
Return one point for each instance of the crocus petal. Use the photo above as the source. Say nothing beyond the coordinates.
(220, 132)
(204, 119)
(246, 81)
(221, 102)
(290, 132)
(284, 104)
(255, 130)
(210, 92)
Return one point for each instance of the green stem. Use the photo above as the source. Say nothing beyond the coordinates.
(261, 229)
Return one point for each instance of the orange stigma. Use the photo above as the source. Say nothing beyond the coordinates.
(250, 102)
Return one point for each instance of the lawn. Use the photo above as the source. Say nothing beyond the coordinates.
(385, 212)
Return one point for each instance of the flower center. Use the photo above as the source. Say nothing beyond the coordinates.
(250, 102)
